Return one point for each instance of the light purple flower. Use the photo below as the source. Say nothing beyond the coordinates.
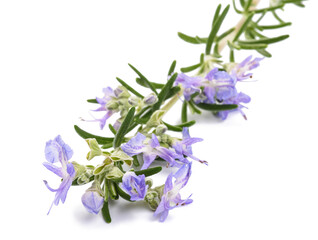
(220, 86)
(92, 201)
(57, 151)
(150, 150)
(135, 186)
(184, 147)
(191, 85)
(237, 99)
(239, 71)
(171, 197)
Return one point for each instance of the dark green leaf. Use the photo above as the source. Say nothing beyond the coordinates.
(216, 14)
(124, 127)
(85, 135)
(144, 84)
(112, 129)
(129, 88)
(184, 114)
(186, 124)
(262, 10)
(235, 7)
(216, 107)
(247, 5)
(135, 161)
(149, 171)
(92, 100)
(122, 193)
(144, 79)
(172, 127)
(172, 67)
(191, 68)
(105, 213)
(265, 40)
(164, 92)
(188, 39)
(193, 108)
(215, 30)
(223, 35)
(112, 189)
(245, 24)
(173, 91)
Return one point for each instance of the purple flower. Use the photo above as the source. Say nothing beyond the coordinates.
(184, 147)
(220, 86)
(190, 84)
(92, 200)
(239, 71)
(135, 186)
(237, 99)
(150, 150)
(171, 197)
(57, 151)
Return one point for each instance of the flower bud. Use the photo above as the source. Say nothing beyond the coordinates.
(121, 92)
(161, 129)
(152, 198)
(92, 199)
(150, 99)
(133, 100)
(112, 104)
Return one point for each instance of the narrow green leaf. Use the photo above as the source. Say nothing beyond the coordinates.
(190, 68)
(149, 171)
(105, 213)
(124, 127)
(129, 88)
(172, 67)
(122, 193)
(216, 107)
(193, 108)
(172, 127)
(184, 114)
(215, 30)
(112, 189)
(264, 53)
(277, 17)
(112, 129)
(232, 57)
(85, 135)
(173, 91)
(216, 14)
(261, 10)
(226, 33)
(235, 7)
(267, 27)
(245, 24)
(247, 5)
(253, 46)
(188, 39)
(164, 92)
(242, 2)
(141, 82)
(186, 124)
(92, 100)
(265, 40)
(107, 145)
(144, 79)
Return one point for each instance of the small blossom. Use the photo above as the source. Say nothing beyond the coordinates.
(171, 197)
(184, 147)
(191, 85)
(151, 99)
(92, 199)
(239, 71)
(237, 99)
(57, 151)
(135, 186)
(150, 150)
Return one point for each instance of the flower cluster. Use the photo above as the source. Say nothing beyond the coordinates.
(110, 179)
(219, 85)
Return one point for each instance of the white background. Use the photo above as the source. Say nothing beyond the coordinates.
(262, 178)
